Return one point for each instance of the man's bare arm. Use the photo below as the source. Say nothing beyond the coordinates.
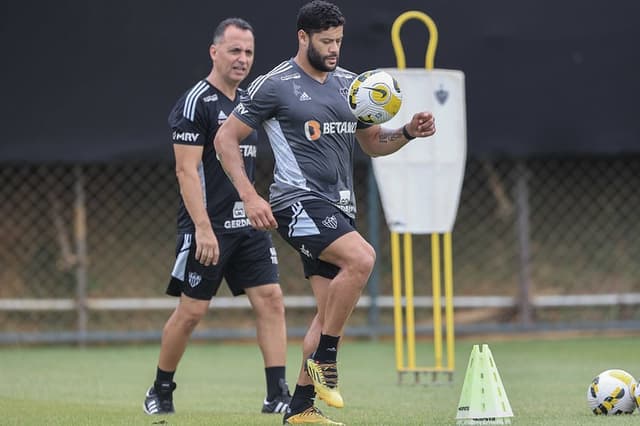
(227, 144)
(188, 159)
(378, 141)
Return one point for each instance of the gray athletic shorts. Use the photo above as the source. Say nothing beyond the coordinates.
(247, 259)
(309, 227)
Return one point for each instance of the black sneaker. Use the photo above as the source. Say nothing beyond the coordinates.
(280, 403)
(159, 402)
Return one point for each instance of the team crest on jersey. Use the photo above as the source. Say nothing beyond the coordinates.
(330, 222)
(344, 92)
(194, 279)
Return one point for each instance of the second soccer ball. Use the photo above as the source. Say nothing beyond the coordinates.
(612, 392)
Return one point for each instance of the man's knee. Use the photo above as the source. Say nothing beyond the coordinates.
(359, 262)
(267, 299)
(363, 259)
(369, 257)
(353, 255)
(189, 314)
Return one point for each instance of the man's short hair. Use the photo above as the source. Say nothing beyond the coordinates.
(319, 15)
(235, 22)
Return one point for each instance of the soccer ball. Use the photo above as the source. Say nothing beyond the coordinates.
(612, 392)
(374, 97)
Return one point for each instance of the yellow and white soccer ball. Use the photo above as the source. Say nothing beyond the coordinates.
(374, 97)
(612, 392)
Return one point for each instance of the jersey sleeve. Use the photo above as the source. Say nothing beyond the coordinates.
(188, 123)
(260, 104)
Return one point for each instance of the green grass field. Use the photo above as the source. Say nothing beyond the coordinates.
(223, 383)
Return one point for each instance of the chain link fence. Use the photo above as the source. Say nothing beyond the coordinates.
(86, 250)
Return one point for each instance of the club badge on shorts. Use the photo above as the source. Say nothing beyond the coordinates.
(194, 279)
(330, 222)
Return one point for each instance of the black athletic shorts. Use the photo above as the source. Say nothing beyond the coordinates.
(309, 227)
(247, 259)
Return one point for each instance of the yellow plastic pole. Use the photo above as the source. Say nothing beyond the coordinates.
(435, 243)
(397, 300)
(448, 295)
(437, 306)
(408, 278)
(397, 43)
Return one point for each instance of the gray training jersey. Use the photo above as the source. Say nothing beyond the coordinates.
(311, 131)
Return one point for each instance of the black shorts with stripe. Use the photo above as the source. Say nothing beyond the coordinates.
(247, 259)
(310, 226)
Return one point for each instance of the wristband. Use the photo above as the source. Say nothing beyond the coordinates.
(406, 134)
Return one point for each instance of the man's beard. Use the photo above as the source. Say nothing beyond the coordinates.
(317, 61)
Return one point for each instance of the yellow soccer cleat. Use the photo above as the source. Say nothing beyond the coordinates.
(325, 382)
(310, 415)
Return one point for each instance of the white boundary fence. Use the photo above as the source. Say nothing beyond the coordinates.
(306, 302)
(294, 302)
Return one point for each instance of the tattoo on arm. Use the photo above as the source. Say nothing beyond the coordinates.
(242, 168)
(388, 135)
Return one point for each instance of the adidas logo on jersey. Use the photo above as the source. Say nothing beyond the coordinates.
(305, 97)
(221, 117)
